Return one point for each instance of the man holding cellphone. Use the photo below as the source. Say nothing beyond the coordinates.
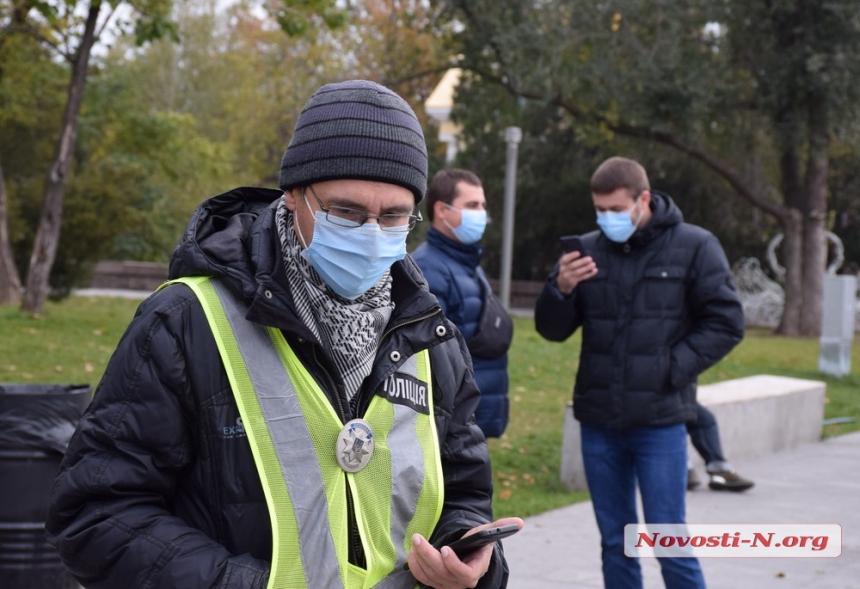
(292, 409)
(657, 305)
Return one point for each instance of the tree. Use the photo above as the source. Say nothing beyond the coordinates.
(31, 96)
(753, 91)
(71, 29)
(8, 271)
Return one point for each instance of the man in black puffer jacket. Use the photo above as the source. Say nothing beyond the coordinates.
(657, 306)
(293, 410)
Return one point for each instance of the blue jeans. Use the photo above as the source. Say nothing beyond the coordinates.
(706, 439)
(614, 461)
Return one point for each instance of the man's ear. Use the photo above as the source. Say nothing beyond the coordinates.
(645, 196)
(439, 209)
(291, 198)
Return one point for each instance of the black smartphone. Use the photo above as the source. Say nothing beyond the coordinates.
(472, 542)
(571, 243)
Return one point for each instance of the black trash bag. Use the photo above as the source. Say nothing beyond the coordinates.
(41, 416)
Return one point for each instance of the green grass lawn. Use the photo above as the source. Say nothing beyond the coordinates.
(73, 340)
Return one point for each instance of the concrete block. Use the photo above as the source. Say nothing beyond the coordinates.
(756, 415)
(572, 470)
(763, 414)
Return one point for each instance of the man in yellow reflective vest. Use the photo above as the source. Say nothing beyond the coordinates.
(292, 409)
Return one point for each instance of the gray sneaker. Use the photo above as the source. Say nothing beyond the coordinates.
(728, 480)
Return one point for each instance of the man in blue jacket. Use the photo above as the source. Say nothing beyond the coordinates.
(449, 259)
(657, 306)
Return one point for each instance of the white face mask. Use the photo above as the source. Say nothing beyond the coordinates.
(618, 227)
(473, 222)
(351, 260)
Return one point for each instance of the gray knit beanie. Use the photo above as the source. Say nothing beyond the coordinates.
(356, 130)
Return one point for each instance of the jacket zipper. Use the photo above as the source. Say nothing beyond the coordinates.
(355, 553)
(356, 549)
(410, 322)
(333, 389)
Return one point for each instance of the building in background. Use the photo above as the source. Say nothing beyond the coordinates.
(438, 107)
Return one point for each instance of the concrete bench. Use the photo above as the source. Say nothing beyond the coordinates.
(756, 415)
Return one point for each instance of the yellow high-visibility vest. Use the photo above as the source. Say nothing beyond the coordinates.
(294, 434)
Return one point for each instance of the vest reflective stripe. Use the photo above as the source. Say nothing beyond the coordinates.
(292, 429)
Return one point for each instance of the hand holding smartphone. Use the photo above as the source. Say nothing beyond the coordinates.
(571, 243)
(573, 271)
(467, 545)
(470, 543)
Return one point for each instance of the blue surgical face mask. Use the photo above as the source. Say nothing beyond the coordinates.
(618, 227)
(473, 222)
(351, 260)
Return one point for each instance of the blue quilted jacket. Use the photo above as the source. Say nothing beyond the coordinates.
(451, 269)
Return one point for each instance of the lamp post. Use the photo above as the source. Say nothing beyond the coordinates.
(513, 135)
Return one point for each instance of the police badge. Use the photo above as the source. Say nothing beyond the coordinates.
(354, 445)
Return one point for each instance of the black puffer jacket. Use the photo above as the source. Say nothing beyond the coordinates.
(159, 489)
(662, 308)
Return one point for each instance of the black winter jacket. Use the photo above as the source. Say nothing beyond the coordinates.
(159, 489)
(662, 308)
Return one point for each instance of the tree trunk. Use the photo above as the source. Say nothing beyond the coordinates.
(48, 232)
(792, 250)
(791, 184)
(10, 283)
(815, 214)
(814, 269)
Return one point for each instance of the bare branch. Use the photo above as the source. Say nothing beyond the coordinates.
(709, 159)
(106, 22)
(30, 30)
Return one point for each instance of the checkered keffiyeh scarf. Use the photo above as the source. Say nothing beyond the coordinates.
(349, 330)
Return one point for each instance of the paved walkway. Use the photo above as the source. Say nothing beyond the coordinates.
(815, 483)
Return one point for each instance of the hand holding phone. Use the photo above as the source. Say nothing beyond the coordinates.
(470, 543)
(571, 243)
(573, 271)
(466, 550)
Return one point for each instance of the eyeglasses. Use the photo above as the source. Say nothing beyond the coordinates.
(352, 218)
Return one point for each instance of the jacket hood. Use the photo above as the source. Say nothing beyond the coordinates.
(230, 236)
(664, 214)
